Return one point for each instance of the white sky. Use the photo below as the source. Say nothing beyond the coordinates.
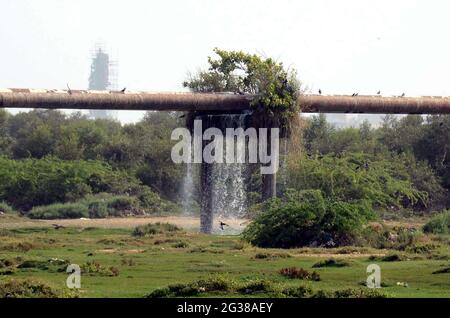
(339, 46)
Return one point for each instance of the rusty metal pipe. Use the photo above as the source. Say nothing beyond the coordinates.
(80, 99)
(53, 99)
(375, 104)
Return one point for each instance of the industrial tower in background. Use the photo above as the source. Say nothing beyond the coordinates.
(103, 77)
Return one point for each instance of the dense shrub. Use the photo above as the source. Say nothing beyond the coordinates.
(98, 209)
(93, 206)
(271, 256)
(26, 289)
(391, 257)
(358, 293)
(439, 224)
(295, 223)
(398, 238)
(445, 270)
(297, 292)
(331, 262)
(50, 265)
(6, 208)
(299, 273)
(356, 176)
(155, 228)
(17, 246)
(211, 284)
(94, 268)
(150, 201)
(30, 182)
(256, 286)
(59, 211)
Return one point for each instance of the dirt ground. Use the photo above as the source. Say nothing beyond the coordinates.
(186, 222)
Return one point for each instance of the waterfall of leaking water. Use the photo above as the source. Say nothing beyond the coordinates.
(188, 190)
(283, 166)
(225, 189)
(229, 196)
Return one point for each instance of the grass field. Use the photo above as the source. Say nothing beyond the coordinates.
(142, 264)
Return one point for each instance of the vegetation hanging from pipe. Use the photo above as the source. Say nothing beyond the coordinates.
(276, 89)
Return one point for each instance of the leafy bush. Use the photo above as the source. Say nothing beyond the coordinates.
(298, 223)
(6, 262)
(93, 206)
(256, 286)
(51, 265)
(398, 238)
(31, 182)
(392, 257)
(212, 284)
(299, 273)
(181, 244)
(383, 182)
(445, 270)
(297, 292)
(19, 246)
(331, 262)
(155, 228)
(421, 248)
(59, 211)
(123, 205)
(26, 289)
(440, 224)
(271, 256)
(6, 208)
(359, 293)
(94, 268)
(150, 201)
(160, 293)
(98, 209)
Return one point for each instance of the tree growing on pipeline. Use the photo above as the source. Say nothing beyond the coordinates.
(275, 88)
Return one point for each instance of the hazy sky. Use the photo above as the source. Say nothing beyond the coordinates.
(338, 46)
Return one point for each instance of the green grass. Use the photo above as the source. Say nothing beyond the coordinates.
(185, 257)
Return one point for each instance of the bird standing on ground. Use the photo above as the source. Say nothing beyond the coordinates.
(58, 226)
(379, 92)
(123, 90)
(69, 90)
(320, 91)
(222, 225)
(403, 95)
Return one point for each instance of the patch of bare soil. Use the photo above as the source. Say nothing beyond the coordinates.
(186, 222)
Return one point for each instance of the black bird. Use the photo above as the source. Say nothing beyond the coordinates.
(123, 90)
(320, 91)
(441, 124)
(182, 116)
(69, 90)
(403, 95)
(58, 226)
(354, 94)
(222, 225)
(379, 92)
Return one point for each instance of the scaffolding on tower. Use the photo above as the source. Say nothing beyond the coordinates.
(103, 77)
